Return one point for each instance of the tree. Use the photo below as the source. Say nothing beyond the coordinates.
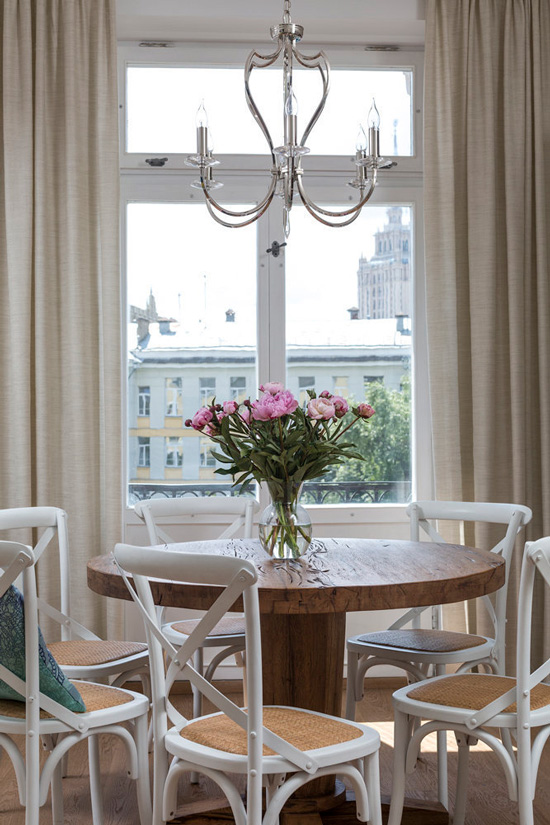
(385, 441)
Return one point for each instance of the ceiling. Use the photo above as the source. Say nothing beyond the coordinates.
(365, 22)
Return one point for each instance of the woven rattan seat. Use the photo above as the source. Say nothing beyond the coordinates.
(228, 626)
(474, 691)
(419, 639)
(305, 731)
(82, 652)
(95, 697)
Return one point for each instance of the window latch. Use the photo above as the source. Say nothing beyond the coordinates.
(156, 161)
(275, 249)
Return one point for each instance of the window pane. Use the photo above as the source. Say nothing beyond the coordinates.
(163, 102)
(183, 349)
(348, 318)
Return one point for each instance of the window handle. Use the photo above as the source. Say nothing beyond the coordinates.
(275, 248)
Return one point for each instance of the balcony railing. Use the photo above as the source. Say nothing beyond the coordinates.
(313, 492)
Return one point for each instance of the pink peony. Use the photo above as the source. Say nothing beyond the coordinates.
(325, 394)
(364, 410)
(230, 407)
(201, 418)
(321, 408)
(272, 387)
(245, 414)
(270, 406)
(340, 405)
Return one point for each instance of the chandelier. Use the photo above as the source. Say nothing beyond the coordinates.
(286, 169)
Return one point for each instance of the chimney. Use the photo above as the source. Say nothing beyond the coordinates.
(230, 316)
(353, 313)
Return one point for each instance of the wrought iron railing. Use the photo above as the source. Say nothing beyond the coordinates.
(313, 492)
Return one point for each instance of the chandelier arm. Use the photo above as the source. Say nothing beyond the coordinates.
(329, 223)
(313, 207)
(252, 62)
(315, 61)
(266, 201)
(210, 203)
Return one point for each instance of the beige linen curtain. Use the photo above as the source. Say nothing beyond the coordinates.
(60, 330)
(487, 187)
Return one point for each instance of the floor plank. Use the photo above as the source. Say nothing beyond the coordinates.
(488, 803)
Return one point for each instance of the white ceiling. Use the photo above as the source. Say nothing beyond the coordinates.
(376, 22)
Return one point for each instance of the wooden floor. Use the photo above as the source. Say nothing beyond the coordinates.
(488, 803)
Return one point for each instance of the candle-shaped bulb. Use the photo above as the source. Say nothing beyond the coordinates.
(291, 104)
(201, 118)
(361, 142)
(373, 117)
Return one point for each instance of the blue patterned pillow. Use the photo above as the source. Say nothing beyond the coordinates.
(53, 681)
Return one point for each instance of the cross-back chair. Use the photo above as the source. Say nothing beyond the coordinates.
(424, 652)
(228, 635)
(301, 745)
(81, 653)
(476, 706)
(48, 710)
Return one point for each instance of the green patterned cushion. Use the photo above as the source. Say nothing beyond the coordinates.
(53, 681)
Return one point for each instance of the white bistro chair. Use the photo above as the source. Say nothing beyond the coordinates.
(81, 653)
(228, 635)
(476, 706)
(425, 652)
(300, 745)
(45, 715)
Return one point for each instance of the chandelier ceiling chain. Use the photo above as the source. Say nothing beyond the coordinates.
(286, 168)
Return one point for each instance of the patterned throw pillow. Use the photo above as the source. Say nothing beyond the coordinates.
(53, 681)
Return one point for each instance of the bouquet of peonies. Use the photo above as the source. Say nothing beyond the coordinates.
(274, 440)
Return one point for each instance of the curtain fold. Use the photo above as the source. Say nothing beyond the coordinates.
(487, 217)
(60, 299)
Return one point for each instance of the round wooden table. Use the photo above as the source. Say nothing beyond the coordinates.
(303, 606)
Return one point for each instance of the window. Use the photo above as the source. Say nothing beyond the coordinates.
(174, 398)
(144, 452)
(340, 385)
(206, 457)
(144, 401)
(336, 310)
(174, 451)
(237, 389)
(207, 390)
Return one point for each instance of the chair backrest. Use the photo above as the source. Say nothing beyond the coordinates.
(236, 577)
(240, 509)
(18, 562)
(50, 523)
(535, 558)
(425, 517)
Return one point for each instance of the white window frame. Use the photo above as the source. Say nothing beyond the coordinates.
(326, 176)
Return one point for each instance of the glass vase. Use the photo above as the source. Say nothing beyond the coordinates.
(285, 526)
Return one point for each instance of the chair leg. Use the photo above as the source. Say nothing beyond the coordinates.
(143, 787)
(463, 742)
(442, 771)
(372, 781)
(351, 687)
(57, 796)
(198, 664)
(95, 780)
(525, 779)
(401, 740)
